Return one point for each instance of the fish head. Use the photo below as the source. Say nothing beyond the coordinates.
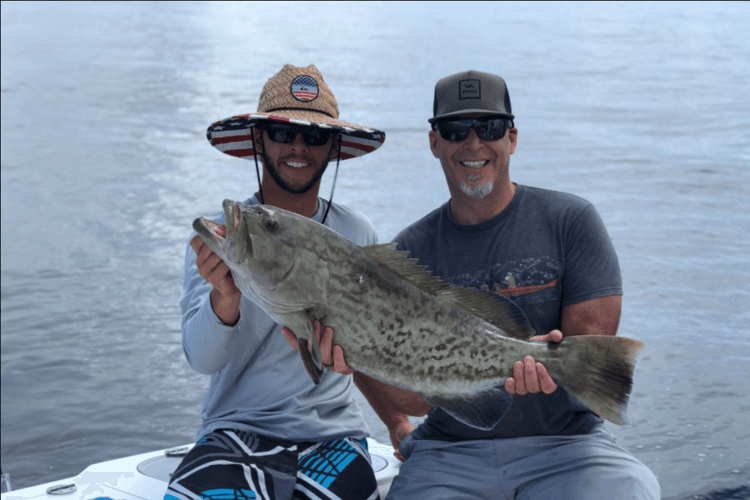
(258, 245)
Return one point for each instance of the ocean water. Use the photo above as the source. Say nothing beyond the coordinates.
(644, 109)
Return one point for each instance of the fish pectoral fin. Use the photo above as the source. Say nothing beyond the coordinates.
(482, 410)
(493, 308)
(314, 369)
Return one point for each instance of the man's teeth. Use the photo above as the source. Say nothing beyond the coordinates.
(296, 164)
(473, 164)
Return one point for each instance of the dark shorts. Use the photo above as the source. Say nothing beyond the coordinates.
(229, 465)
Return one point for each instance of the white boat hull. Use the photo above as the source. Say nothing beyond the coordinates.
(145, 477)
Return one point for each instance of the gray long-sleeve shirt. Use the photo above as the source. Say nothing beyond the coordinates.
(258, 383)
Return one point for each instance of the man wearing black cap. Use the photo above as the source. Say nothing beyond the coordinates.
(549, 253)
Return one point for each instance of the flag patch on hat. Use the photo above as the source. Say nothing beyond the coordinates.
(304, 88)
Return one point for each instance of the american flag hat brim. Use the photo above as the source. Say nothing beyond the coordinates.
(299, 96)
(233, 136)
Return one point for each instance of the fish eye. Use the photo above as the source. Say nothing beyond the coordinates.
(272, 225)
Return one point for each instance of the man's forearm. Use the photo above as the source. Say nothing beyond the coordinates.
(392, 405)
(226, 308)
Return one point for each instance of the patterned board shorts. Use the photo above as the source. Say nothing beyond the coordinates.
(233, 465)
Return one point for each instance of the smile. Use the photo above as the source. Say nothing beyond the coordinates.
(295, 164)
(474, 164)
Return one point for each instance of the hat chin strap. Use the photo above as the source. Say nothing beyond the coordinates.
(335, 175)
(257, 170)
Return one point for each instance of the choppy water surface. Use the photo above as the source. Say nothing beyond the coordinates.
(641, 108)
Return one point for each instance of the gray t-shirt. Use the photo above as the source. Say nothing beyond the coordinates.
(258, 383)
(546, 250)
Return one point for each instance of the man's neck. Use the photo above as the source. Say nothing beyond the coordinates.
(468, 211)
(305, 204)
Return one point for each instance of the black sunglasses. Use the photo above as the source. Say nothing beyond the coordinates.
(285, 133)
(488, 129)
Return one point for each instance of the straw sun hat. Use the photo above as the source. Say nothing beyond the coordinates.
(297, 96)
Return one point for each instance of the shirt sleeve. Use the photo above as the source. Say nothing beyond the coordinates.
(592, 269)
(206, 340)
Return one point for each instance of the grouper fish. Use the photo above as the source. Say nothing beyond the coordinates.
(399, 324)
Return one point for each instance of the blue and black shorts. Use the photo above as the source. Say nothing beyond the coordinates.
(232, 465)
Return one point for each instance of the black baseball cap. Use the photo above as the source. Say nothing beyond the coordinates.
(471, 92)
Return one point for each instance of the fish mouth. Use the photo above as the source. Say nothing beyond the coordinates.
(209, 231)
(220, 237)
(232, 216)
(240, 244)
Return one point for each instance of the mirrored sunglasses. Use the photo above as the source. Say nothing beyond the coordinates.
(285, 133)
(488, 129)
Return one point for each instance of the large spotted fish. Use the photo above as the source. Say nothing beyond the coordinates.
(399, 324)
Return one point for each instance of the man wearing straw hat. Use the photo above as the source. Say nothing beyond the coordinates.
(268, 431)
(549, 253)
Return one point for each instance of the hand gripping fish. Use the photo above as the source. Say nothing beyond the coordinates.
(399, 324)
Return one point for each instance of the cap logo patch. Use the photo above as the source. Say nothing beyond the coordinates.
(469, 89)
(304, 88)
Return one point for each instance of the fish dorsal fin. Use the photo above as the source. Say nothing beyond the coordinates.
(405, 268)
(490, 307)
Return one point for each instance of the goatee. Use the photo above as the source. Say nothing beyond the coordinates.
(477, 191)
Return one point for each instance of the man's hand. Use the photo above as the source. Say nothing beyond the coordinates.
(398, 434)
(531, 377)
(332, 355)
(225, 296)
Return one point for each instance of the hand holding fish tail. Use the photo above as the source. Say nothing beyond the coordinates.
(531, 377)
(225, 296)
(332, 355)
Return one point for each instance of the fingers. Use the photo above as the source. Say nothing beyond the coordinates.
(553, 336)
(339, 362)
(212, 269)
(398, 434)
(325, 342)
(290, 337)
(333, 355)
(546, 383)
(197, 244)
(518, 383)
(325, 339)
(510, 385)
(530, 377)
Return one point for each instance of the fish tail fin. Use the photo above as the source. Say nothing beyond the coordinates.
(602, 377)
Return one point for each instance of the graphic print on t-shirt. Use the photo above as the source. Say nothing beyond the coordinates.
(512, 278)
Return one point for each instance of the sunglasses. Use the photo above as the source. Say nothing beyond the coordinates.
(285, 133)
(488, 129)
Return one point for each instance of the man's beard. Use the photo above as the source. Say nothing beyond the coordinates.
(283, 184)
(477, 191)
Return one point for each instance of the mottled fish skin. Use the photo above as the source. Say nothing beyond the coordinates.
(402, 326)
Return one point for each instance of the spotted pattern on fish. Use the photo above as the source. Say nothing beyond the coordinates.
(402, 326)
